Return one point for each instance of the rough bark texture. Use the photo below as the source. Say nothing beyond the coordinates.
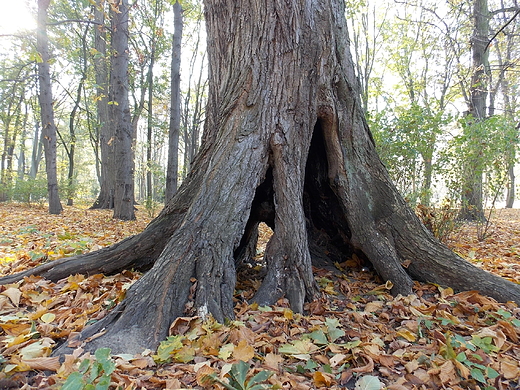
(120, 111)
(286, 143)
(46, 109)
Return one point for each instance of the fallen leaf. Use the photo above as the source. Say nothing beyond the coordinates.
(273, 360)
(321, 379)
(243, 351)
(14, 294)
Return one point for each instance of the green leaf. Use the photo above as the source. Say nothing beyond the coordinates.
(74, 382)
(461, 357)
(238, 373)
(491, 373)
(254, 382)
(318, 336)
(168, 347)
(95, 371)
(503, 313)
(310, 365)
(103, 357)
(478, 375)
(103, 383)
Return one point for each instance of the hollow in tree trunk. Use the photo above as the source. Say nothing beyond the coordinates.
(286, 143)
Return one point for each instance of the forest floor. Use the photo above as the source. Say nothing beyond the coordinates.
(355, 335)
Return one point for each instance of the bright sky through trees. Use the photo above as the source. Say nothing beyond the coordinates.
(15, 16)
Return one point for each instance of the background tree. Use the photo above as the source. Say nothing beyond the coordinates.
(172, 170)
(120, 114)
(46, 109)
(103, 135)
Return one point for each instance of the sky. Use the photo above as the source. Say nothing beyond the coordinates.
(15, 16)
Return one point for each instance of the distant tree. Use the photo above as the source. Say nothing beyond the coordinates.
(172, 171)
(104, 134)
(120, 114)
(46, 108)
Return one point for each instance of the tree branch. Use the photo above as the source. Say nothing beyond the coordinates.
(502, 29)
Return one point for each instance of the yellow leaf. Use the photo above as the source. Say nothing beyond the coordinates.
(48, 317)
(407, 335)
(38, 349)
(321, 379)
(226, 351)
(243, 351)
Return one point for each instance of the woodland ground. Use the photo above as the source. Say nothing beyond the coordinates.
(355, 334)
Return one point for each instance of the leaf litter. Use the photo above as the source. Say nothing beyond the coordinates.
(354, 336)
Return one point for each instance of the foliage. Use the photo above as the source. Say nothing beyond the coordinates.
(92, 374)
(30, 190)
(237, 378)
(482, 148)
(406, 141)
(441, 220)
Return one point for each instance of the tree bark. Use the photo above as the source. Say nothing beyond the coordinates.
(472, 202)
(172, 171)
(120, 111)
(285, 142)
(46, 109)
(105, 124)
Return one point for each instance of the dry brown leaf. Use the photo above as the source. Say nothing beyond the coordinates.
(243, 351)
(203, 376)
(322, 379)
(510, 369)
(273, 360)
(43, 363)
(14, 294)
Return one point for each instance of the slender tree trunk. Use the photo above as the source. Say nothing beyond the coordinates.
(120, 109)
(286, 143)
(46, 109)
(149, 132)
(472, 197)
(172, 171)
(105, 127)
(36, 154)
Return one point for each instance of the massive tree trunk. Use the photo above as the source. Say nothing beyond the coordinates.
(285, 142)
(46, 109)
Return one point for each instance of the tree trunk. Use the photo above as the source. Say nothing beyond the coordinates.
(46, 109)
(120, 110)
(472, 203)
(285, 142)
(172, 171)
(105, 126)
